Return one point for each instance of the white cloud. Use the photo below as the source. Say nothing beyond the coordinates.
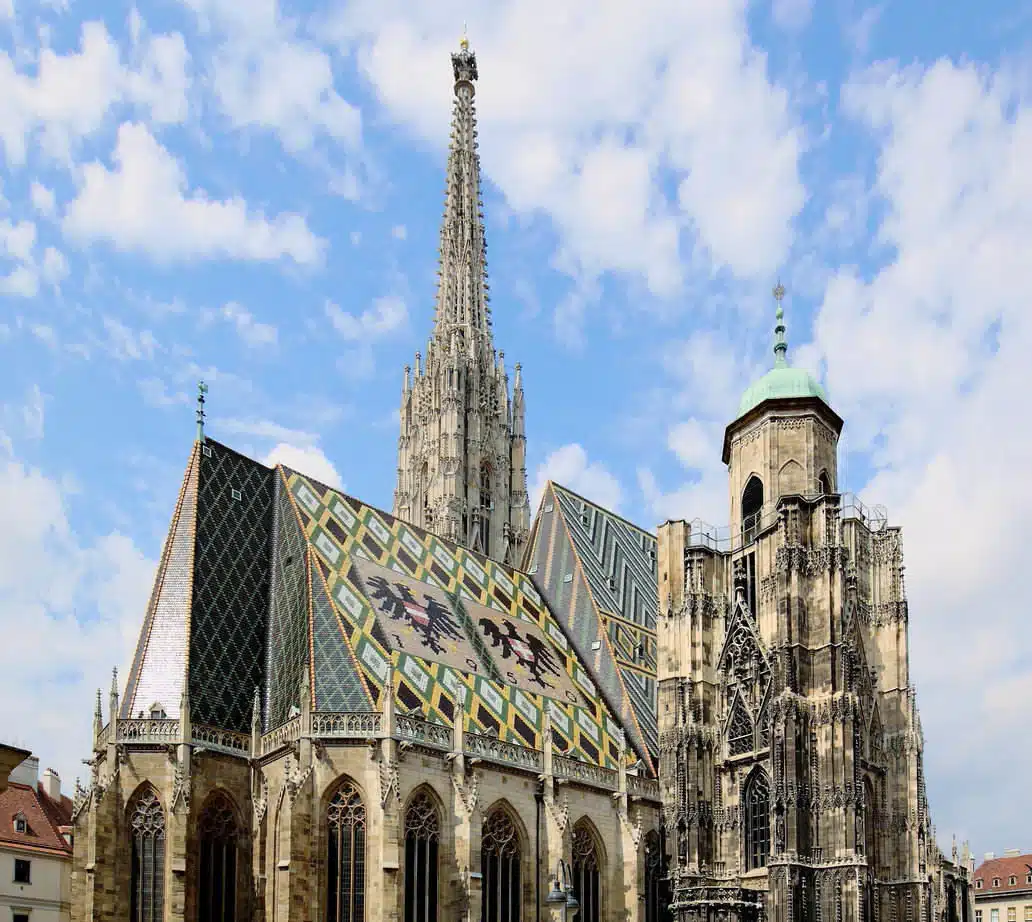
(252, 332)
(792, 15)
(144, 205)
(265, 76)
(70, 95)
(125, 344)
(641, 94)
(569, 466)
(17, 242)
(386, 315)
(85, 602)
(399, 232)
(306, 459)
(54, 268)
(266, 429)
(42, 198)
(156, 393)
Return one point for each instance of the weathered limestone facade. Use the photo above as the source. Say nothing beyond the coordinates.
(784, 682)
(281, 784)
(462, 452)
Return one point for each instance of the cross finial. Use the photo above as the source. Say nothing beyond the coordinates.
(780, 346)
(202, 389)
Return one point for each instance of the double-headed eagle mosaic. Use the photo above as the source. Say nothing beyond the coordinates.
(429, 618)
(527, 650)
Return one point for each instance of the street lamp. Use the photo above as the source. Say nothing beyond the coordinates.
(561, 893)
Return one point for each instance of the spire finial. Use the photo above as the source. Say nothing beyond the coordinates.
(464, 41)
(202, 389)
(780, 346)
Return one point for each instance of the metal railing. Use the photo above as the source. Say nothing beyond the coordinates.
(724, 539)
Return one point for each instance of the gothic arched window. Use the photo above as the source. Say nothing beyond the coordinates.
(500, 865)
(587, 877)
(345, 866)
(422, 838)
(739, 731)
(756, 795)
(824, 482)
(657, 897)
(147, 877)
(752, 505)
(217, 889)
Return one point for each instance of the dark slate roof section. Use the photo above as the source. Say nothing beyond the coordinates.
(616, 561)
(287, 646)
(229, 615)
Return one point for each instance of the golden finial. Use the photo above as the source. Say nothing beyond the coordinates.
(464, 41)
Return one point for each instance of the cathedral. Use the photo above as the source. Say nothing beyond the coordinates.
(458, 712)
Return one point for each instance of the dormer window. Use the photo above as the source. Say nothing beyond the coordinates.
(978, 884)
(996, 881)
(21, 825)
(157, 711)
(1013, 880)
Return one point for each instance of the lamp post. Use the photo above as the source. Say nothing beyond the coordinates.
(561, 893)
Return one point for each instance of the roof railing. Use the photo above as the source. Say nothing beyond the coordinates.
(725, 540)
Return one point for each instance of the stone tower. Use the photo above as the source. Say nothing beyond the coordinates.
(791, 764)
(462, 449)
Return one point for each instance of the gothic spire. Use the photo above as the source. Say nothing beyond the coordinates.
(462, 311)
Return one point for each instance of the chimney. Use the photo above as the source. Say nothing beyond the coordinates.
(51, 784)
(1012, 853)
(989, 856)
(27, 773)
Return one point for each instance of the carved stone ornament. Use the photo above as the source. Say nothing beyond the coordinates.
(468, 789)
(390, 784)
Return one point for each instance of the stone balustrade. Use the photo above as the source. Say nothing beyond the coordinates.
(496, 750)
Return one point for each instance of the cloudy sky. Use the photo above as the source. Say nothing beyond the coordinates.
(193, 190)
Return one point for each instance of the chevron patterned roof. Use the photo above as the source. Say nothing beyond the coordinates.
(598, 573)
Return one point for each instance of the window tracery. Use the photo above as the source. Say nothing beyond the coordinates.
(346, 841)
(422, 843)
(147, 877)
(587, 878)
(500, 865)
(218, 832)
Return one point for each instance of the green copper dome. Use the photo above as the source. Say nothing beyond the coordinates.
(782, 381)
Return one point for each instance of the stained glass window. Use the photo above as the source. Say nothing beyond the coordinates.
(657, 896)
(500, 866)
(587, 879)
(757, 821)
(422, 839)
(345, 865)
(218, 833)
(147, 880)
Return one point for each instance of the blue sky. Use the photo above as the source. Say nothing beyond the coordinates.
(253, 198)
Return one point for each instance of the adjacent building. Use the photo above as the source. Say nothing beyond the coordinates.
(35, 847)
(450, 714)
(1003, 888)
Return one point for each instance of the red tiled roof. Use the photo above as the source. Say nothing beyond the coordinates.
(43, 815)
(1003, 869)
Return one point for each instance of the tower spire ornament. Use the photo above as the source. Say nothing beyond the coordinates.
(780, 346)
(202, 389)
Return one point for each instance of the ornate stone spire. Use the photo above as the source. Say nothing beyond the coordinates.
(462, 317)
(462, 448)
